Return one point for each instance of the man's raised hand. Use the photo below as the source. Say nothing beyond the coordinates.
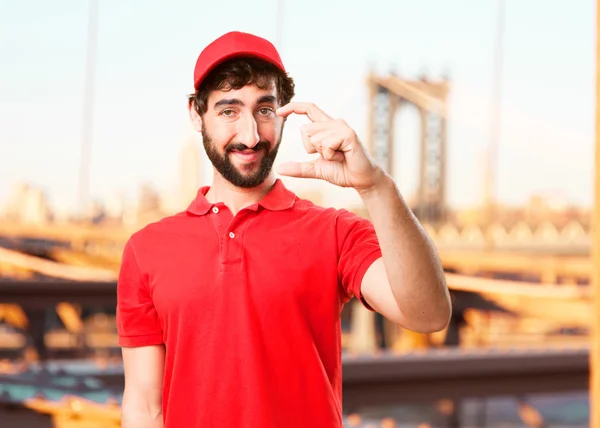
(343, 160)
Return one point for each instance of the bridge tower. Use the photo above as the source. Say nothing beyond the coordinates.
(386, 95)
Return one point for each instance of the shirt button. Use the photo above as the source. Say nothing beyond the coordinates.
(231, 235)
(215, 210)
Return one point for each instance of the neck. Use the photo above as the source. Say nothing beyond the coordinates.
(237, 198)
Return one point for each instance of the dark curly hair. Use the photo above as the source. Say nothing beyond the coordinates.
(239, 72)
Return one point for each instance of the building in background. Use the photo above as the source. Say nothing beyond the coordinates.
(29, 205)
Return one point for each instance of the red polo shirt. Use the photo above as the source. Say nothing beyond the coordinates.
(248, 308)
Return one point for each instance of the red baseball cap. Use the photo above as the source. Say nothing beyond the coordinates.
(234, 44)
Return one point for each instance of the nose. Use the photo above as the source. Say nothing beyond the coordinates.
(247, 131)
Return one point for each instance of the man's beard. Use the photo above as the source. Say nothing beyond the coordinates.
(225, 167)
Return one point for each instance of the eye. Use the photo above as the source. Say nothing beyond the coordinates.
(227, 112)
(264, 111)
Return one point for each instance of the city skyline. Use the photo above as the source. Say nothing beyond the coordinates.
(144, 69)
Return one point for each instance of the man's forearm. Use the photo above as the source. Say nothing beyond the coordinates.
(411, 261)
(142, 397)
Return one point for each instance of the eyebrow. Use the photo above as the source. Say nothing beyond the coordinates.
(237, 102)
(228, 102)
(265, 99)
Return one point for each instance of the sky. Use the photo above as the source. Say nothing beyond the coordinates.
(146, 51)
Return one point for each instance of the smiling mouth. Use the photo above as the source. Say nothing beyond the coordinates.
(247, 155)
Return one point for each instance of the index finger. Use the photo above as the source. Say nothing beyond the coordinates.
(313, 112)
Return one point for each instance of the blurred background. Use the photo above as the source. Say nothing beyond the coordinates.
(483, 112)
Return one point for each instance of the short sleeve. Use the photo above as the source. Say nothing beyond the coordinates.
(358, 248)
(137, 320)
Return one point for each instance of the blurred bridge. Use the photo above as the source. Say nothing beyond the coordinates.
(514, 285)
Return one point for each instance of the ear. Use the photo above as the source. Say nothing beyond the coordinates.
(195, 118)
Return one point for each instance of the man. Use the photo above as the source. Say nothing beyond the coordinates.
(229, 313)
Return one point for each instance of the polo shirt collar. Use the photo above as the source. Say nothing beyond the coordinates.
(279, 198)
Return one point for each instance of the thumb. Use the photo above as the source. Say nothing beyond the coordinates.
(298, 169)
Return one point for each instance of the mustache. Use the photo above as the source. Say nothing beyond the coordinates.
(261, 145)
